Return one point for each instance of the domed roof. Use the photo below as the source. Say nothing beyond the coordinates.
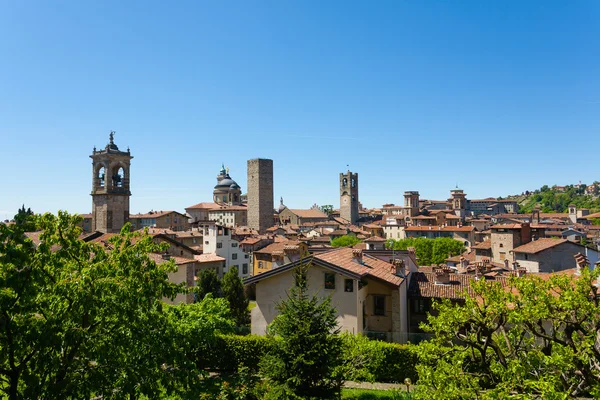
(234, 186)
(225, 182)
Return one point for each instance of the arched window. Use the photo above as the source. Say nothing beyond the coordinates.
(101, 176)
(501, 244)
(117, 178)
(344, 182)
(353, 182)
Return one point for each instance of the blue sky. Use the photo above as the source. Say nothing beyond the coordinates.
(497, 97)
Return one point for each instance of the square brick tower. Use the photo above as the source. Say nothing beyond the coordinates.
(110, 188)
(349, 196)
(260, 194)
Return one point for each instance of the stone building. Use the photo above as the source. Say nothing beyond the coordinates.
(349, 196)
(506, 237)
(110, 188)
(260, 194)
(298, 216)
(229, 216)
(551, 255)
(172, 220)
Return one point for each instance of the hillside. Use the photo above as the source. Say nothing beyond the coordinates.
(558, 199)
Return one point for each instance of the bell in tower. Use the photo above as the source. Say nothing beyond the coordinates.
(110, 187)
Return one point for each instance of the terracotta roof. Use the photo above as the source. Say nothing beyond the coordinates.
(591, 216)
(208, 257)
(277, 247)
(339, 232)
(202, 206)
(158, 258)
(187, 234)
(228, 208)
(506, 226)
(375, 239)
(86, 216)
(251, 240)
(422, 284)
(452, 216)
(539, 245)
(440, 228)
(372, 266)
(310, 213)
(485, 245)
(153, 214)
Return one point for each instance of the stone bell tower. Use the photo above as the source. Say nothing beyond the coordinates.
(349, 196)
(110, 187)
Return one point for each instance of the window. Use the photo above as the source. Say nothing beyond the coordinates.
(260, 264)
(206, 242)
(244, 269)
(246, 256)
(502, 255)
(348, 285)
(329, 281)
(420, 306)
(526, 256)
(219, 245)
(234, 244)
(378, 305)
(234, 256)
(501, 244)
(174, 220)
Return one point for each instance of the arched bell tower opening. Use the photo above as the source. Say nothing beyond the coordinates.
(349, 196)
(110, 187)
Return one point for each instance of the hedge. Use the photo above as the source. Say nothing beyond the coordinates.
(366, 360)
(229, 352)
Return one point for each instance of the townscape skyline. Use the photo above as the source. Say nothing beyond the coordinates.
(497, 99)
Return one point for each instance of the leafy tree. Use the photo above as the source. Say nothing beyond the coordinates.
(77, 321)
(534, 338)
(308, 357)
(208, 282)
(24, 217)
(429, 251)
(345, 241)
(327, 209)
(233, 292)
(544, 188)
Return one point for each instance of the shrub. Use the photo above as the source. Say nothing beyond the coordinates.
(376, 361)
(231, 351)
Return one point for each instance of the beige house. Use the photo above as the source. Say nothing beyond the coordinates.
(172, 220)
(298, 217)
(551, 255)
(199, 212)
(368, 293)
(229, 216)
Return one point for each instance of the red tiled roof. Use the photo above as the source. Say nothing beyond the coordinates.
(153, 214)
(485, 245)
(277, 247)
(208, 257)
(158, 258)
(440, 228)
(343, 258)
(310, 213)
(375, 239)
(422, 284)
(202, 206)
(539, 245)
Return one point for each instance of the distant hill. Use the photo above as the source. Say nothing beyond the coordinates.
(558, 198)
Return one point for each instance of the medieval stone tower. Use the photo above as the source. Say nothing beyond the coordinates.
(260, 194)
(411, 203)
(110, 188)
(349, 196)
(459, 202)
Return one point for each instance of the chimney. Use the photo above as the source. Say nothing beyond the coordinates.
(442, 275)
(478, 271)
(581, 261)
(506, 263)
(357, 255)
(400, 267)
(521, 271)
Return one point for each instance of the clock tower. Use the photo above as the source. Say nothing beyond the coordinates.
(349, 196)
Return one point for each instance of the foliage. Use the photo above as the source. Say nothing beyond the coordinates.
(307, 359)
(371, 394)
(327, 209)
(345, 241)
(25, 218)
(377, 361)
(429, 251)
(550, 200)
(232, 351)
(536, 337)
(233, 292)
(208, 282)
(78, 321)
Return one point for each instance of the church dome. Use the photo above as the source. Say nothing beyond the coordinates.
(234, 186)
(225, 182)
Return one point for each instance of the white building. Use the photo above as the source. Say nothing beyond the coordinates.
(218, 240)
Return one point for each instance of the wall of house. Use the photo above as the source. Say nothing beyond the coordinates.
(273, 290)
(378, 323)
(181, 276)
(554, 259)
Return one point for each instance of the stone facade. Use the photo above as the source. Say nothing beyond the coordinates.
(260, 194)
(349, 196)
(110, 188)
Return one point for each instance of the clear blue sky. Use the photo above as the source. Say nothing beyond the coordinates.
(495, 96)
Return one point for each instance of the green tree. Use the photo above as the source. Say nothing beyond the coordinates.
(345, 241)
(533, 338)
(233, 292)
(208, 282)
(327, 209)
(77, 321)
(307, 360)
(429, 251)
(24, 217)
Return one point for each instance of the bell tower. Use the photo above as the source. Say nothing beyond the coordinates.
(349, 196)
(110, 187)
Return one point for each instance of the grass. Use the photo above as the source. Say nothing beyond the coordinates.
(371, 394)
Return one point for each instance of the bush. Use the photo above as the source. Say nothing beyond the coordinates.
(376, 361)
(231, 351)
